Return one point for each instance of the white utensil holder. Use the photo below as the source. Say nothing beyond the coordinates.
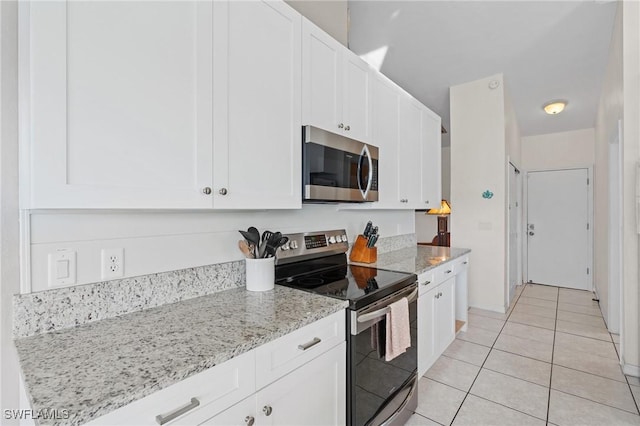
(260, 274)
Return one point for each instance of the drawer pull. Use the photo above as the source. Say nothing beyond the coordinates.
(178, 412)
(426, 283)
(448, 271)
(249, 420)
(465, 262)
(306, 346)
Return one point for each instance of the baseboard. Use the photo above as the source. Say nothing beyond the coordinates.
(493, 308)
(630, 369)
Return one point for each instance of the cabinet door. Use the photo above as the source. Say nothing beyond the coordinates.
(384, 113)
(409, 155)
(314, 394)
(427, 330)
(322, 79)
(257, 86)
(119, 100)
(356, 104)
(431, 160)
(445, 314)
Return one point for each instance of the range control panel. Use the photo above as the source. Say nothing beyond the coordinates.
(309, 245)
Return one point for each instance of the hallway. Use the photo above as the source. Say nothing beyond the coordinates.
(549, 360)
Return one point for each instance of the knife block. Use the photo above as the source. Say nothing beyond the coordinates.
(361, 253)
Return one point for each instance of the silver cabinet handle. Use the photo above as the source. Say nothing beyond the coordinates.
(178, 412)
(307, 345)
(249, 420)
(267, 410)
(440, 294)
(436, 296)
(347, 128)
(206, 190)
(448, 271)
(465, 262)
(340, 126)
(426, 283)
(223, 191)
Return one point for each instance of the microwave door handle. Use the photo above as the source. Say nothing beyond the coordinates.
(365, 153)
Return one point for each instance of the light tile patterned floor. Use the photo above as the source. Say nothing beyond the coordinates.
(548, 361)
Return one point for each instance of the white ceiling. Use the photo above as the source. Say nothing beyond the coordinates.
(545, 49)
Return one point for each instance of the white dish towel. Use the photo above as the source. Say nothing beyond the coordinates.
(398, 332)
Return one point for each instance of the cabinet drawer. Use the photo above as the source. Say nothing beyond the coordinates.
(426, 281)
(460, 264)
(279, 357)
(444, 272)
(214, 389)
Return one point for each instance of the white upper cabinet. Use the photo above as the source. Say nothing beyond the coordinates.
(117, 98)
(384, 114)
(257, 106)
(409, 151)
(431, 160)
(408, 135)
(335, 86)
(152, 105)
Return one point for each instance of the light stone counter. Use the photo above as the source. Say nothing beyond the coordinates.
(98, 367)
(417, 259)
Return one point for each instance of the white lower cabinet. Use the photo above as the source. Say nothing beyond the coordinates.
(314, 394)
(436, 316)
(309, 390)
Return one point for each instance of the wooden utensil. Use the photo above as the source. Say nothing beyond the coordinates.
(245, 249)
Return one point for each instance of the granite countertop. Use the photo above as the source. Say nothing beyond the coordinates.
(95, 368)
(416, 259)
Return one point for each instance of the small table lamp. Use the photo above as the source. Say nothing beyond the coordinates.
(442, 212)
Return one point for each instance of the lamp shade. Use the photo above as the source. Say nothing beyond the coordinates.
(445, 209)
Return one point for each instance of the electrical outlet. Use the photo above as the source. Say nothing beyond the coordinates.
(112, 263)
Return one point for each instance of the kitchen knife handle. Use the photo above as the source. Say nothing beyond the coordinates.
(367, 229)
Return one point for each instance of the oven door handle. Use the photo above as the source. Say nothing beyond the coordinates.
(384, 311)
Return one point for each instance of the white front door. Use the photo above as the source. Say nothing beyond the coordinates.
(558, 228)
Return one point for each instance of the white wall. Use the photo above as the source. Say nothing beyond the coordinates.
(166, 241)
(478, 163)
(631, 140)
(330, 15)
(559, 150)
(512, 132)
(9, 235)
(610, 110)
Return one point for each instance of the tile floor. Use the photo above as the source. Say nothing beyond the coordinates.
(549, 360)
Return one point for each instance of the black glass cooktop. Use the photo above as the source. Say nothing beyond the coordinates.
(331, 276)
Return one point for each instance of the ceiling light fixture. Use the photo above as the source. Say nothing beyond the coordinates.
(554, 107)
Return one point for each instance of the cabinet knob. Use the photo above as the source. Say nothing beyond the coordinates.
(267, 410)
(340, 126)
(206, 190)
(347, 128)
(448, 271)
(223, 191)
(440, 294)
(249, 420)
(426, 283)
(426, 201)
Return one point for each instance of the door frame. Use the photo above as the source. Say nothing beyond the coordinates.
(525, 257)
(519, 226)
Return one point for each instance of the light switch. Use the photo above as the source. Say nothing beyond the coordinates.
(62, 267)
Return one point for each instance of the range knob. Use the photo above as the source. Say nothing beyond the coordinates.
(293, 244)
(332, 240)
(344, 238)
(284, 247)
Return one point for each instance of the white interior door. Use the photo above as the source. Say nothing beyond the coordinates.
(558, 228)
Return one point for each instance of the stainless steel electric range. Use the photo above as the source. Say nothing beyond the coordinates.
(379, 392)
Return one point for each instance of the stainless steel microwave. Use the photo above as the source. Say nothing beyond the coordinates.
(336, 168)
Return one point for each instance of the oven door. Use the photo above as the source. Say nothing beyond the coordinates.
(381, 392)
(336, 168)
